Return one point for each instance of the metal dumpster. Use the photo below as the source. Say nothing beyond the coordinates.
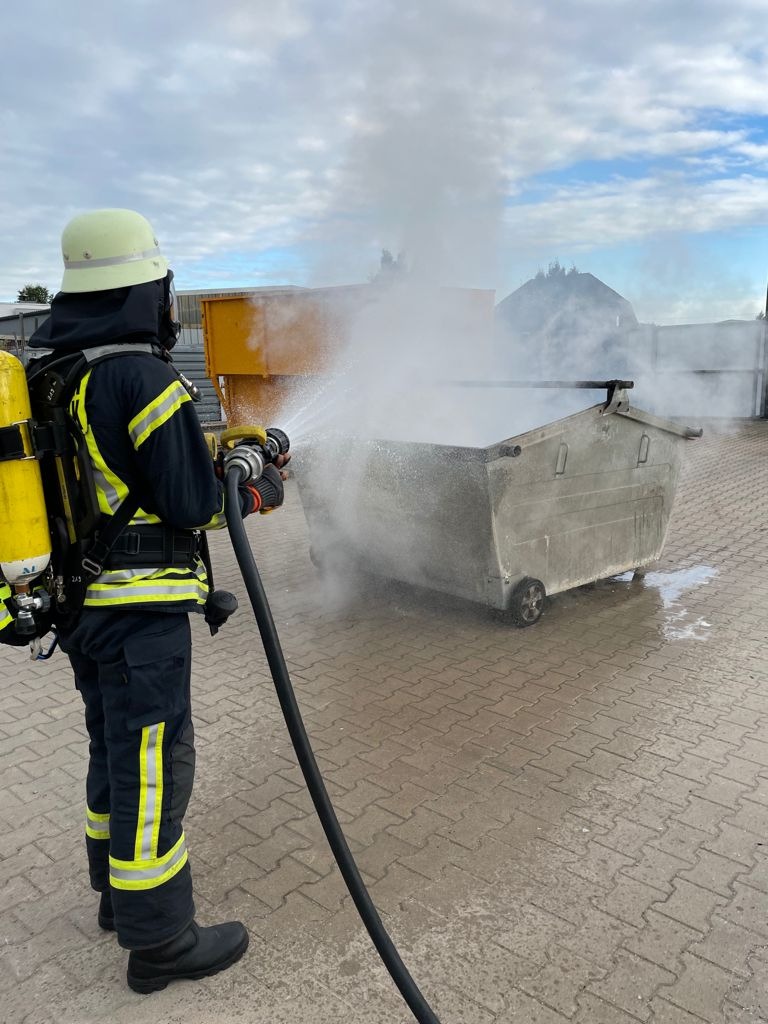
(585, 497)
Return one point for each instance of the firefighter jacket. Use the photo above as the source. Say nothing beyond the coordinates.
(143, 436)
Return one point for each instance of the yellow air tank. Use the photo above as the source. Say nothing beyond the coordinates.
(25, 543)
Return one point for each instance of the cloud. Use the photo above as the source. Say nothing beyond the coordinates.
(331, 131)
(588, 215)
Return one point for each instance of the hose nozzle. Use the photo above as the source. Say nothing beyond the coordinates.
(247, 460)
(254, 448)
(277, 442)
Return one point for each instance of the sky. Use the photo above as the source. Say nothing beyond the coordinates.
(290, 141)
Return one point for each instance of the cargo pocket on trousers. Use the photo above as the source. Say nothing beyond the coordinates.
(157, 676)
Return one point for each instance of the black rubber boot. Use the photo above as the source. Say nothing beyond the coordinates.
(106, 913)
(196, 953)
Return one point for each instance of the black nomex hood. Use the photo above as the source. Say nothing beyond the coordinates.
(82, 320)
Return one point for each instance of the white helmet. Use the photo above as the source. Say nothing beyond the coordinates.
(110, 249)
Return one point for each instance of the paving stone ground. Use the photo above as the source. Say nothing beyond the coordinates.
(561, 824)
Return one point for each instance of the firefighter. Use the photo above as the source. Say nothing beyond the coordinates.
(130, 648)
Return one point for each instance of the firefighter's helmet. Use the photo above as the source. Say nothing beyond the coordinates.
(110, 249)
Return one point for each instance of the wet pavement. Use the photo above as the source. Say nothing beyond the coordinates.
(565, 823)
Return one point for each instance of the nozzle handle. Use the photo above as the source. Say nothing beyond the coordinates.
(219, 605)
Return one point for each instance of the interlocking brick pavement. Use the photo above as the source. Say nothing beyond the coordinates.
(566, 823)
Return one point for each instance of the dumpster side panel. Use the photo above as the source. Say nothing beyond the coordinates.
(406, 513)
(585, 503)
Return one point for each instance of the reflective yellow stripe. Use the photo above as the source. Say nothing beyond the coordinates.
(158, 792)
(218, 519)
(157, 412)
(149, 873)
(150, 792)
(147, 870)
(77, 402)
(188, 591)
(96, 824)
(128, 579)
(129, 586)
(6, 618)
(142, 793)
(113, 599)
(111, 491)
(177, 575)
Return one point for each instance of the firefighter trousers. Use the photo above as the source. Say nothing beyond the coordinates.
(133, 672)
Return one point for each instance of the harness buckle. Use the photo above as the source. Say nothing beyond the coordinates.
(91, 566)
(130, 543)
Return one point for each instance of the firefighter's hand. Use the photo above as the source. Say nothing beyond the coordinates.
(267, 492)
(283, 460)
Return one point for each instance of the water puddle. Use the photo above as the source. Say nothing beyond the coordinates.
(677, 627)
(678, 623)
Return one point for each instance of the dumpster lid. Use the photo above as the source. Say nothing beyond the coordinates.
(641, 416)
(617, 402)
(515, 445)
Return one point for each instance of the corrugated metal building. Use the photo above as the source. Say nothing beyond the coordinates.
(18, 321)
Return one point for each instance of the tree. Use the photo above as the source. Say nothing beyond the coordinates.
(34, 293)
(390, 268)
(556, 272)
(760, 315)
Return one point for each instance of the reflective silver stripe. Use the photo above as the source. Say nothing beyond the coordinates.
(151, 808)
(112, 261)
(143, 518)
(91, 354)
(171, 588)
(146, 874)
(124, 575)
(98, 826)
(117, 585)
(176, 393)
(110, 493)
(5, 616)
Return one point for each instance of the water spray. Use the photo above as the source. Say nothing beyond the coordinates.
(238, 469)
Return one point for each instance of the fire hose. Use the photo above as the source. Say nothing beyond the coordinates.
(235, 474)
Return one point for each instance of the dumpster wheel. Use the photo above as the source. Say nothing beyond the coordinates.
(527, 602)
(330, 561)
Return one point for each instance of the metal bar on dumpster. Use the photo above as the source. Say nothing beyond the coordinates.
(596, 385)
(722, 370)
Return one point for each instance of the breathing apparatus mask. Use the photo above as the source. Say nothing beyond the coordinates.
(169, 327)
